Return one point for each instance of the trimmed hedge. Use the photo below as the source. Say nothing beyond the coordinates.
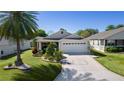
(114, 49)
(96, 52)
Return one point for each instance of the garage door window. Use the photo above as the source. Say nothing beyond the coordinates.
(73, 43)
(1, 52)
(64, 43)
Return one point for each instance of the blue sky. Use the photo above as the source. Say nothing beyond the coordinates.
(72, 21)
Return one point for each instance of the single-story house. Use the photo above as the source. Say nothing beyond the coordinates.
(8, 47)
(66, 42)
(105, 39)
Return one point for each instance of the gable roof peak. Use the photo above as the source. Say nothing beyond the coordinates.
(59, 35)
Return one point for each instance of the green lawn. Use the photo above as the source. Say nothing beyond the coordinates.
(40, 70)
(113, 62)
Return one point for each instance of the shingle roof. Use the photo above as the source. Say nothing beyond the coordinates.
(58, 35)
(106, 34)
(73, 36)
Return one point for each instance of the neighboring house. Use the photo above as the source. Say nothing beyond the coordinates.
(8, 47)
(108, 38)
(66, 42)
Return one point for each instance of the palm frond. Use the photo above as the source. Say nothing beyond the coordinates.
(19, 24)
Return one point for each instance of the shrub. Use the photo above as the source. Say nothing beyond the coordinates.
(9, 65)
(50, 49)
(120, 49)
(38, 54)
(51, 58)
(45, 56)
(114, 49)
(52, 53)
(58, 55)
(34, 50)
(110, 49)
(96, 52)
(43, 50)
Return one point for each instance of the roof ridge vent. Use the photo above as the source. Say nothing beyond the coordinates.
(62, 30)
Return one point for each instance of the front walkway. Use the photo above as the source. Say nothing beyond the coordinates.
(84, 67)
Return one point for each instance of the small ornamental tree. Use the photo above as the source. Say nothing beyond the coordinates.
(52, 53)
(58, 55)
(50, 50)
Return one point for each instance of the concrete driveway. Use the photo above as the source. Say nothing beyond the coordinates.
(85, 68)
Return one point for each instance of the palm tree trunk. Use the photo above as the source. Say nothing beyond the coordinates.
(18, 61)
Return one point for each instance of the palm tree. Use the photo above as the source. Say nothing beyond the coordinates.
(17, 25)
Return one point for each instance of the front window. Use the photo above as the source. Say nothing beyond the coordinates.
(120, 42)
(111, 42)
(101, 42)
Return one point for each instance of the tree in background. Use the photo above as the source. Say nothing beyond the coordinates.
(17, 25)
(41, 33)
(112, 27)
(120, 25)
(87, 32)
(62, 29)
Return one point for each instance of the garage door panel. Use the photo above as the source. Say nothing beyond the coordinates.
(74, 47)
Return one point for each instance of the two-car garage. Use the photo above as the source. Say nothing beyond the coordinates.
(71, 46)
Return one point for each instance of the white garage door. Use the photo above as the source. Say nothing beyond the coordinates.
(74, 48)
